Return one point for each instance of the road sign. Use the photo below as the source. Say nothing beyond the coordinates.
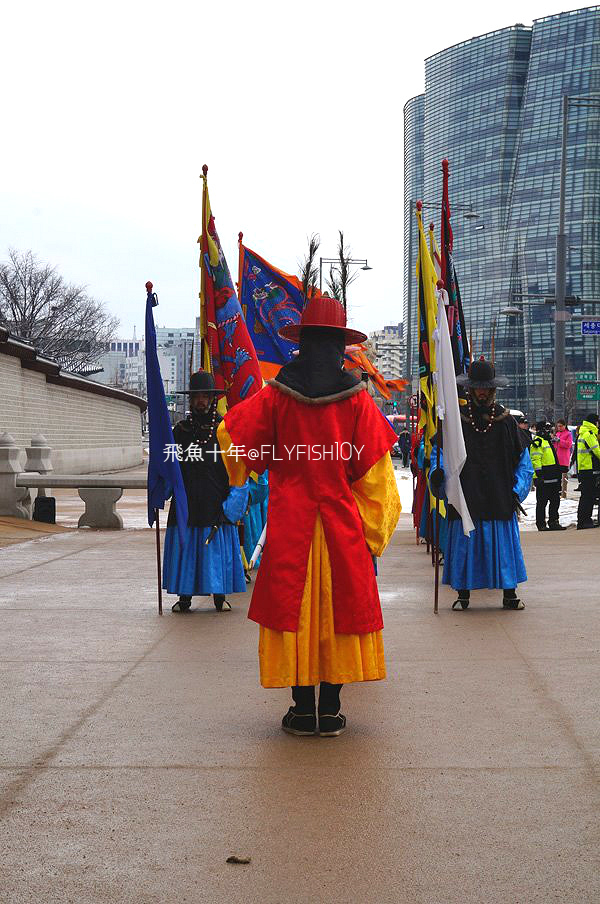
(169, 398)
(587, 376)
(413, 401)
(588, 392)
(590, 327)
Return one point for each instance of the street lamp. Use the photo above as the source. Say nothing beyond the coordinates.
(560, 314)
(508, 311)
(336, 260)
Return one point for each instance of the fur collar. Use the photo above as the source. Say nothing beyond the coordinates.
(323, 400)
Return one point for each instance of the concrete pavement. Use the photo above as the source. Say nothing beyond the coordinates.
(139, 752)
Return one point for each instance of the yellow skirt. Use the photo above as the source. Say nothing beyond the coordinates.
(315, 652)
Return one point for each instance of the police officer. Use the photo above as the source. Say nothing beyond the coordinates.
(548, 477)
(588, 470)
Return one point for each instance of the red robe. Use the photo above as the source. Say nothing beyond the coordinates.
(300, 486)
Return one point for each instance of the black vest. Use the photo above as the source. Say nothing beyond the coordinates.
(205, 479)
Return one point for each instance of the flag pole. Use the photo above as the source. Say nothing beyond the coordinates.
(204, 364)
(437, 522)
(158, 568)
(240, 270)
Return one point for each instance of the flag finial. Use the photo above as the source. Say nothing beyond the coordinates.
(204, 170)
(445, 165)
(240, 236)
(419, 205)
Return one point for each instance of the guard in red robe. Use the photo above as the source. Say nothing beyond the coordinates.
(333, 505)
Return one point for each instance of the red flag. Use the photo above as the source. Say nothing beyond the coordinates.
(227, 350)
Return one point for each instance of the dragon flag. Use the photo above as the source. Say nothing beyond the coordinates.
(454, 309)
(270, 300)
(226, 348)
(426, 283)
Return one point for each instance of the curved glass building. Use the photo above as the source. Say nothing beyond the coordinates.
(492, 106)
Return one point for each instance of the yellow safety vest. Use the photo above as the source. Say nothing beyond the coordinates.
(542, 453)
(587, 445)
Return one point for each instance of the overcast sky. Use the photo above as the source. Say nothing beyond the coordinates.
(111, 109)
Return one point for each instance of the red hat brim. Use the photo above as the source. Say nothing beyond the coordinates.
(292, 332)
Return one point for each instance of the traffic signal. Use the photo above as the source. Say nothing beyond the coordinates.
(395, 405)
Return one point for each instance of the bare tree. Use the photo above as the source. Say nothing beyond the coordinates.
(58, 318)
(309, 272)
(339, 274)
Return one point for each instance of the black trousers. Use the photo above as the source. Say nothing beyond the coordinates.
(588, 498)
(218, 597)
(547, 494)
(329, 699)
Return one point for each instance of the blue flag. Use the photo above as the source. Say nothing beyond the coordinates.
(270, 299)
(164, 473)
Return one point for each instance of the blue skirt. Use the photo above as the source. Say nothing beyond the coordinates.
(491, 558)
(198, 570)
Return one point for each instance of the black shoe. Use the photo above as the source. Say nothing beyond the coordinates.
(332, 726)
(556, 526)
(463, 601)
(587, 525)
(299, 724)
(182, 604)
(220, 601)
(543, 527)
(512, 602)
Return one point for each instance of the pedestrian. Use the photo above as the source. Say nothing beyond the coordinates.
(495, 479)
(333, 505)
(588, 469)
(548, 477)
(523, 425)
(404, 443)
(210, 559)
(563, 442)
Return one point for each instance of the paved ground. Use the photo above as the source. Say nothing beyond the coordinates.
(138, 753)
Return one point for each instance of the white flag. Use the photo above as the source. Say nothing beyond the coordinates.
(455, 453)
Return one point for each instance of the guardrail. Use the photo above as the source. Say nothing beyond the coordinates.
(100, 494)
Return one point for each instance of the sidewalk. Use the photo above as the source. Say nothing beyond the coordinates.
(139, 752)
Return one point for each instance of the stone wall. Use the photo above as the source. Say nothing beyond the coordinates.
(89, 427)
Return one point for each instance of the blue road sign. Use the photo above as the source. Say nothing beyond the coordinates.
(590, 327)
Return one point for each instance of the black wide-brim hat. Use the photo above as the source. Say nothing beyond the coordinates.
(482, 375)
(201, 381)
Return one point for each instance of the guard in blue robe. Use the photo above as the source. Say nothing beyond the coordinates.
(210, 559)
(256, 516)
(495, 479)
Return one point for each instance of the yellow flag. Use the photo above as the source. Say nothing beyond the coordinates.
(426, 283)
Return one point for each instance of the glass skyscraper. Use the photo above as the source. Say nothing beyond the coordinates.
(414, 123)
(492, 106)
